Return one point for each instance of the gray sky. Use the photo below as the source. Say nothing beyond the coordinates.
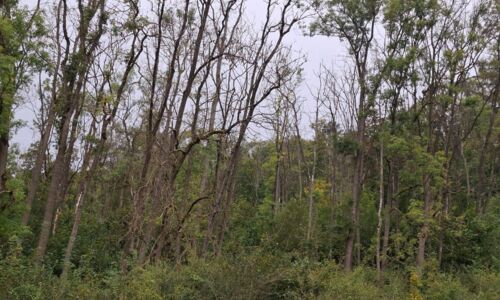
(318, 50)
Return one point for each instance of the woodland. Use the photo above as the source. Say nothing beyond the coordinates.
(179, 151)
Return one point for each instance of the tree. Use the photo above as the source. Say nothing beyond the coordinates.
(18, 59)
(353, 21)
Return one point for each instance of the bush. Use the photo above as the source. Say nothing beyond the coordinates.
(257, 275)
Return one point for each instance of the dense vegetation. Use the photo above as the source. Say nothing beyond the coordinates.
(175, 159)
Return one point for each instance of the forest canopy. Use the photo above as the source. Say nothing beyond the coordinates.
(177, 156)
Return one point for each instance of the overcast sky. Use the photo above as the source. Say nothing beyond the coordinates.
(318, 50)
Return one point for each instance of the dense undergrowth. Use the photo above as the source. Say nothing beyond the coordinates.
(255, 275)
(264, 257)
(261, 260)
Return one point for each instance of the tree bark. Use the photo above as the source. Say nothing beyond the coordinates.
(379, 211)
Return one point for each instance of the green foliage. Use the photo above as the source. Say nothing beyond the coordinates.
(18, 55)
(10, 215)
(19, 278)
(346, 145)
(257, 275)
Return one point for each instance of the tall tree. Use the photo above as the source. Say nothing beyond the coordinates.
(355, 22)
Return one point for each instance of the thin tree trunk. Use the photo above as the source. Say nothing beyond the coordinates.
(481, 184)
(466, 168)
(37, 168)
(387, 218)
(310, 215)
(277, 186)
(424, 231)
(312, 174)
(4, 151)
(74, 230)
(356, 192)
(379, 212)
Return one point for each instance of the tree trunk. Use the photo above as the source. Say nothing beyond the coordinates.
(312, 175)
(391, 191)
(74, 230)
(4, 151)
(36, 172)
(356, 195)
(379, 212)
(424, 231)
(58, 177)
(481, 184)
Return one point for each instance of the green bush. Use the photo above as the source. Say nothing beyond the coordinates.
(260, 274)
